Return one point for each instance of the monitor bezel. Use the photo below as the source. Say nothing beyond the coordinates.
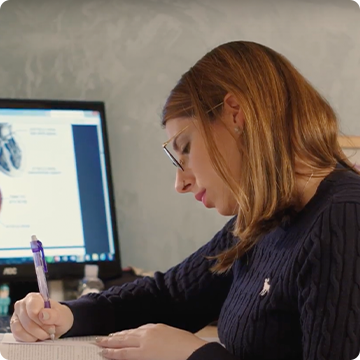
(68, 270)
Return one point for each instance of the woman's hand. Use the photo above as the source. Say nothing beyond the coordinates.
(31, 321)
(150, 342)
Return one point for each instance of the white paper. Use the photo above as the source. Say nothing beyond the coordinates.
(49, 352)
(81, 340)
(75, 348)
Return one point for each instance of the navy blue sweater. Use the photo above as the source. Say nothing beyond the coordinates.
(295, 295)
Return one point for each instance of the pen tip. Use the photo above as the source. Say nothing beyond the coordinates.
(33, 238)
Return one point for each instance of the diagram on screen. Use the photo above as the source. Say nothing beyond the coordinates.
(11, 158)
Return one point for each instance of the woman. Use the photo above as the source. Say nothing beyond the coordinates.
(251, 138)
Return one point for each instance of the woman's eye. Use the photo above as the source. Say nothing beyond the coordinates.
(186, 149)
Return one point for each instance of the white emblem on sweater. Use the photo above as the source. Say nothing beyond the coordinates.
(266, 287)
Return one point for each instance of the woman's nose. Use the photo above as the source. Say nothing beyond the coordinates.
(182, 182)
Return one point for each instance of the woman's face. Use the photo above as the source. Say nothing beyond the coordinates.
(199, 177)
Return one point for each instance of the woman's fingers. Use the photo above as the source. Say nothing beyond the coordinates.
(119, 340)
(31, 325)
(122, 354)
(20, 334)
(41, 322)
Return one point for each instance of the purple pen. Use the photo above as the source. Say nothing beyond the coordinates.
(41, 269)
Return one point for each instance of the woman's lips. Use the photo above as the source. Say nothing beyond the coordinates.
(200, 196)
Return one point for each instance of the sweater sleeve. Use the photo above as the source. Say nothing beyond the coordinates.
(329, 286)
(187, 296)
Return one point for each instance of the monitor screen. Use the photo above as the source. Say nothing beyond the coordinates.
(55, 183)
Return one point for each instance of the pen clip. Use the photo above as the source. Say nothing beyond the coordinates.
(41, 249)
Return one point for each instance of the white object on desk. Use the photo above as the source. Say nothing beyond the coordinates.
(56, 290)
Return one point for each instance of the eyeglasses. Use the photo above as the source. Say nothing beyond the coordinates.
(168, 153)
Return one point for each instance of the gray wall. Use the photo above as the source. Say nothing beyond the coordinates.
(130, 53)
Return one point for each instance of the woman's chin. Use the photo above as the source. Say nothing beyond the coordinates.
(224, 212)
(227, 210)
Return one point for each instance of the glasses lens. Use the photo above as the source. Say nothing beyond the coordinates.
(172, 158)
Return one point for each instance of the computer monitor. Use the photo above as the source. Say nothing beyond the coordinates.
(55, 183)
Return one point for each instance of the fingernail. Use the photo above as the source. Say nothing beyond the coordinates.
(99, 339)
(51, 330)
(45, 316)
(110, 335)
(104, 352)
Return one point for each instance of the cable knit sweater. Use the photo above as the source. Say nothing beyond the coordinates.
(295, 295)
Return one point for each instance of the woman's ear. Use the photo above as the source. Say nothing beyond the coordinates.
(233, 116)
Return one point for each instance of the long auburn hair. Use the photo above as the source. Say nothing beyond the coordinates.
(286, 119)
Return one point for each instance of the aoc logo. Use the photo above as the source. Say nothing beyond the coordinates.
(358, 2)
(10, 271)
(2, 1)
